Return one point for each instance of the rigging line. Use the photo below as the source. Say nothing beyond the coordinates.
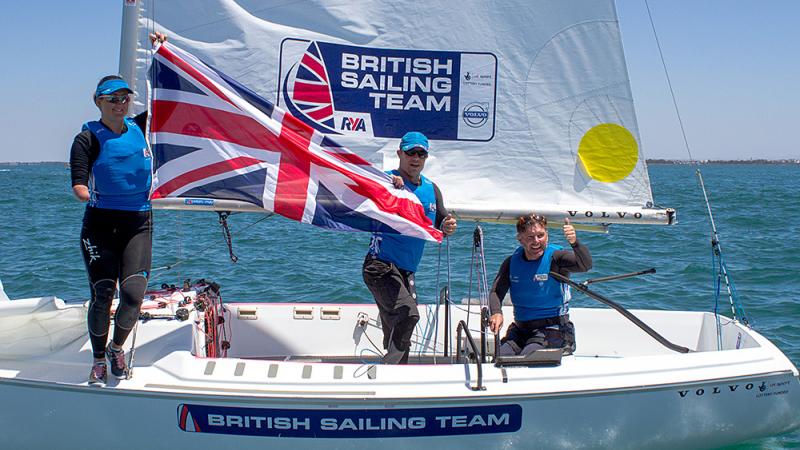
(471, 271)
(179, 224)
(449, 292)
(465, 309)
(484, 272)
(208, 247)
(715, 284)
(669, 82)
(436, 299)
(226, 233)
(731, 286)
(483, 288)
(715, 242)
(422, 331)
(429, 332)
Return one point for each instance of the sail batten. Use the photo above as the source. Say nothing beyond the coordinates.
(528, 107)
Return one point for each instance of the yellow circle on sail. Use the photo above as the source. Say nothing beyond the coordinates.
(608, 152)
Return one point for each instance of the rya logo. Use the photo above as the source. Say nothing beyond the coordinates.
(353, 124)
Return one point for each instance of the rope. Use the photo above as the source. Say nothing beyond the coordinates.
(715, 286)
(484, 297)
(478, 267)
(436, 300)
(449, 291)
(720, 268)
(226, 233)
(180, 260)
(471, 271)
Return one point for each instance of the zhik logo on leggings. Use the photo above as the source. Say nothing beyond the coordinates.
(91, 250)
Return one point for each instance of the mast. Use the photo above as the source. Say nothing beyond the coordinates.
(128, 42)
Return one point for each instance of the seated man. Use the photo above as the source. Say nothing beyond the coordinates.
(540, 302)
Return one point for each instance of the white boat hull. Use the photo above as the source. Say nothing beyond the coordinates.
(710, 415)
(618, 391)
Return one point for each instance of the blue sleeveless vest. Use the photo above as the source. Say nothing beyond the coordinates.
(535, 294)
(406, 252)
(122, 173)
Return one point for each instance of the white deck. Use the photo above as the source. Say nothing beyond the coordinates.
(302, 348)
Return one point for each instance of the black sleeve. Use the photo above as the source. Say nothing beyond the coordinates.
(578, 260)
(500, 287)
(441, 212)
(84, 151)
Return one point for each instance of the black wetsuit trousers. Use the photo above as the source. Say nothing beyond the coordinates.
(396, 297)
(117, 249)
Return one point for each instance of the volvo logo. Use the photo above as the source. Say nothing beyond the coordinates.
(476, 114)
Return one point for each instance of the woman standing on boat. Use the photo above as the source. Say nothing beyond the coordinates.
(111, 168)
(541, 304)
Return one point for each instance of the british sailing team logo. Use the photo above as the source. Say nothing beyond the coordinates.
(382, 93)
(185, 420)
(308, 92)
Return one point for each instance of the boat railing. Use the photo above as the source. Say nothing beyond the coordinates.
(462, 327)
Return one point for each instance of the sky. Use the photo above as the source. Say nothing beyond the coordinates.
(733, 64)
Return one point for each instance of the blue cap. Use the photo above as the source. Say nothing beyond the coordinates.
(412, 140)
(110, 86)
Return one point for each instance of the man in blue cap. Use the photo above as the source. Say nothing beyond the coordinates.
(392, 259)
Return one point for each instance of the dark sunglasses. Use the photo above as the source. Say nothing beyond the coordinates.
(525, 221)
(417, 152)
(116, 98)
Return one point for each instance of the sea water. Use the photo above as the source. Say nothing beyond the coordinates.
(755, 208)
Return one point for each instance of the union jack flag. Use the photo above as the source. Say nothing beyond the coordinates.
(214, 138)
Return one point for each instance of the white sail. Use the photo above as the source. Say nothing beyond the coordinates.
(527, 103)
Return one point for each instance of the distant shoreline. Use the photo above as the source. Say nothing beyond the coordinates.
(724, 161)
(31, 163)
(649, 161)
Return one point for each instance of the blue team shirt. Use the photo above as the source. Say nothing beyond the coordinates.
(122, 174)
(403, 251)
(534, 293)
